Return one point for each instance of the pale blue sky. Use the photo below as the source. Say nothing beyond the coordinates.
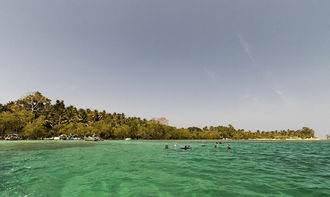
(252, 63)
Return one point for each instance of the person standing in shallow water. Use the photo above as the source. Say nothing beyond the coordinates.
(228, 147)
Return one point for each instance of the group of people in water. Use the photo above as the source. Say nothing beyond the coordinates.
(186, 147)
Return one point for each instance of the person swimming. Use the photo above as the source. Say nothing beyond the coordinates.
(174, 146)
(166, 146)
(228, 147)
(186, 147)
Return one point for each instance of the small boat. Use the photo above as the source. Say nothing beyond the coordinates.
(12, 137)
(93, 138)
(73, 137)
(90, 139)
(63, 137)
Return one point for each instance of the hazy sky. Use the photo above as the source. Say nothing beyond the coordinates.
(255, 64)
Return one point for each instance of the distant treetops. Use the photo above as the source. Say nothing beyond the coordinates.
(35, 117)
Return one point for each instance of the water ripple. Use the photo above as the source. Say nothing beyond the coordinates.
(145, 168)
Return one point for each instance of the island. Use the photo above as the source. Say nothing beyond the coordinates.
(36, 117)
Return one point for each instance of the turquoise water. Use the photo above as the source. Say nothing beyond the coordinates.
(145, 168)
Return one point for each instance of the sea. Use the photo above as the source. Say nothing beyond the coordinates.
(146, 168)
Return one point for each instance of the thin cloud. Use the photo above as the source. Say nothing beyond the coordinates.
(285, 99)
(246, 48)
(249, 96)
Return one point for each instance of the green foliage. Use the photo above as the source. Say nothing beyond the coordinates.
(194, 129)
(34, 102)
(36, 129)
(14, 122)
(35, 117)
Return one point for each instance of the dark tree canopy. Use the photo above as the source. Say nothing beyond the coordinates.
(35, 117)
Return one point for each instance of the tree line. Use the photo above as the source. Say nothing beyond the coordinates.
(35, 117)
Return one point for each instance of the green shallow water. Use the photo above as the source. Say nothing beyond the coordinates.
(145, 168)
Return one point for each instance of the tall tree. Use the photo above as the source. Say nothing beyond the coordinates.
(36, 129)
(34, 102)
(57, 116)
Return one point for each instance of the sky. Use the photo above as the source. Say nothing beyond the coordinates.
(254, 64)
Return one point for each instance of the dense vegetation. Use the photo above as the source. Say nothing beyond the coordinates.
(35, 117)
